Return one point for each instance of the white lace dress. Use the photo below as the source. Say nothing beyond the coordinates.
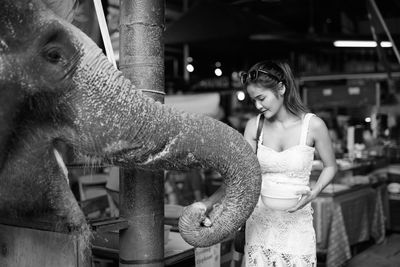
(275, 237)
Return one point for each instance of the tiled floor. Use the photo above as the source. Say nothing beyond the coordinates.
(386, 254)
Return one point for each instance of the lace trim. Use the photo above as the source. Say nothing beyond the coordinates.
(291, 233)
(294, 177)
(261, 256)
(295, 164)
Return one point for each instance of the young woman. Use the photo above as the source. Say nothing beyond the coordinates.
(280, 230)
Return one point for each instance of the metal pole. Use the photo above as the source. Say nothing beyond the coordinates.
(385, 28)
(374, 15)
(142, 192)
(186, 74)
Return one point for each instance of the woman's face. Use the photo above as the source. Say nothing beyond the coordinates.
(265, 100)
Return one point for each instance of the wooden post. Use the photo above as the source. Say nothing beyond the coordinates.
(142, 192)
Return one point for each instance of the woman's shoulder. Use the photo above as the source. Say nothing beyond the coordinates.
(251, 125)
(316, 122)
(253, 121)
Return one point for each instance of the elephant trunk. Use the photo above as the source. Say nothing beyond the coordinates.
(126, 127)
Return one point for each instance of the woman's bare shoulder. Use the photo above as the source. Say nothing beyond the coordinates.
(252, 121)
(316, 123)
(251, 125)
(317, 127)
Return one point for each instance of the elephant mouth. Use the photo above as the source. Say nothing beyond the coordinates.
(121, 147)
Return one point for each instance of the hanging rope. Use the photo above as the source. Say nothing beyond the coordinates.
(104, 31)
(152, 91)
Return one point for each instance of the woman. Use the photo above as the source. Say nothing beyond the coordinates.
(279, 235)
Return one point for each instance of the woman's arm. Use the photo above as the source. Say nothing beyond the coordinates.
(250, 132)
(214, 198)
(323, 145)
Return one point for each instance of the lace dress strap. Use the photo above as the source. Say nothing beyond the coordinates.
(259, 141)
(304, 128)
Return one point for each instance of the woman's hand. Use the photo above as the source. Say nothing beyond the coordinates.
(306, 197)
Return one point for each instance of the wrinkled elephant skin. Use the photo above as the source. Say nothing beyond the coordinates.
(56, 84)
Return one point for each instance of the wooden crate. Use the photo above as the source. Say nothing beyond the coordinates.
(394, 209)
(25, 247)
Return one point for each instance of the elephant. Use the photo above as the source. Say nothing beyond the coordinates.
(57, 85)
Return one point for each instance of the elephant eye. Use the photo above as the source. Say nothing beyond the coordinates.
(53, 55)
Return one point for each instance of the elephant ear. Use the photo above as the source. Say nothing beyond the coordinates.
(63, 8)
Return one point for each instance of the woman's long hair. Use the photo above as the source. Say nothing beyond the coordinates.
(280, 72)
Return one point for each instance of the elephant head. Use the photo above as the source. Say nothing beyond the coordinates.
(56, 84)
